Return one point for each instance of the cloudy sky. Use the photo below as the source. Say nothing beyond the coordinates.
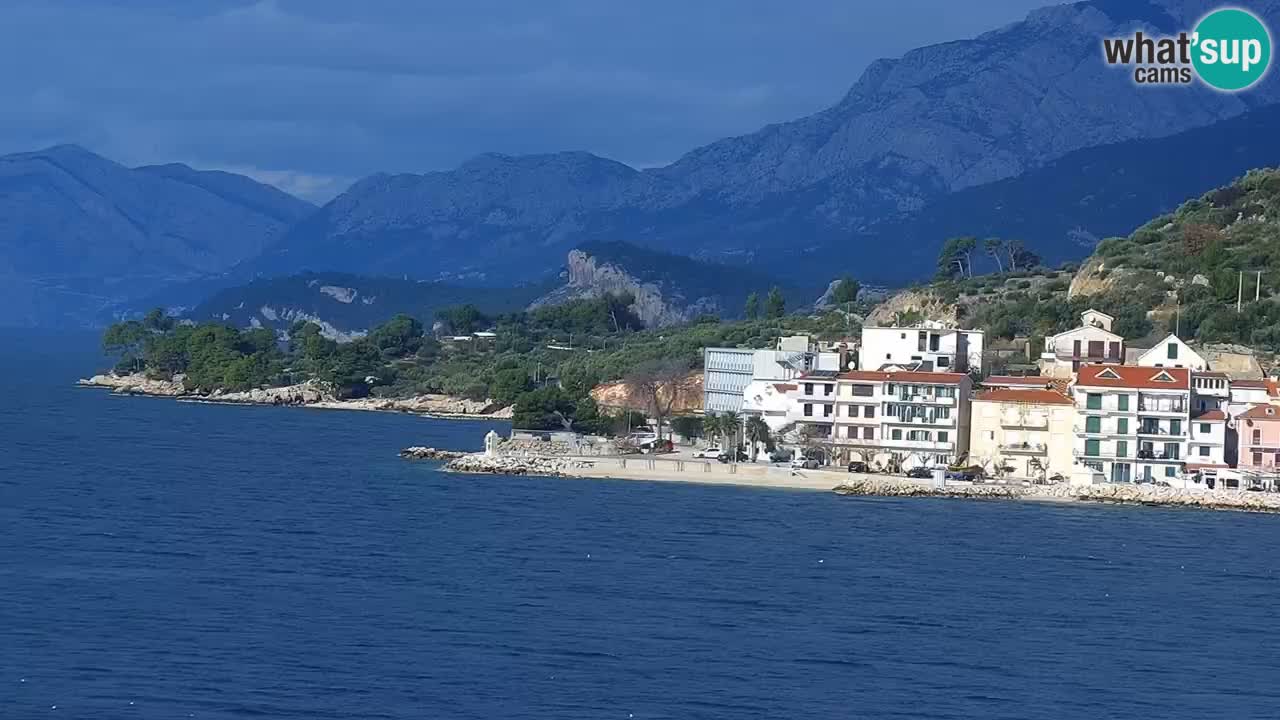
(311, 94)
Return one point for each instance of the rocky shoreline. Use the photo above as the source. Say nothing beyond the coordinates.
(1149, 495)
(429, 453)
(479, 463)
(313, 394)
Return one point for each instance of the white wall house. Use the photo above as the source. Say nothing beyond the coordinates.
(1133, 424)
(1092, 342)
(1173, 352)
(1207, 451)
(944, 350)
(902, 419)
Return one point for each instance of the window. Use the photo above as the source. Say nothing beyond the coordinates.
(1122, 448)
(1093, 402)
(1204, 428)
(808, 388)
(808, 410)
(933, 342)
(1122, 402)
(1257, 459)
(942, 436)
(897, 434)
(1257, 437)
(888, 356)
(944, 361)
(1091, 448)
(827, 389)
(1122, 425)
(1096, 348)
(1175, 427)
(1171, 451)
(826, 411)
(1093, 424)
(868, 411)
(1173, 351)
(1171, 471)
(920, 340)
(1204, 451)
(869, 433)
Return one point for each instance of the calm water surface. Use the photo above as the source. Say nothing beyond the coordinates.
(169, 560)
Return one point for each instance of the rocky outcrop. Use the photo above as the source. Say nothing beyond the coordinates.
(917, 304)
(656, 304)
(311, 392)
(429, 453)
(621, 395)
(433, 405)
(514, 465)
(136, 384)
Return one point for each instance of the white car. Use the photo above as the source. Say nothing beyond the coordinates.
(710, 453)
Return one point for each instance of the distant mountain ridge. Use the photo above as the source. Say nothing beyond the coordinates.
(939, 120)
(79, 232)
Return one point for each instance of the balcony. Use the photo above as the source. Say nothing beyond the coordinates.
(1030, 421)
(923, 399)
(917, 420)
(1148, 405)
(1153, 431)
(917, 445)
(1024, 448)
(1152, 456)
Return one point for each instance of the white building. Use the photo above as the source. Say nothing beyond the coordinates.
(1092, 342)
(900, 420)
(1133, 423)
(727, 372)
(1172, 352)
(925, 347)
(1207, 451)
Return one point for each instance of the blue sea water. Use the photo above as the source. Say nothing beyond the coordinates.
(171, 560)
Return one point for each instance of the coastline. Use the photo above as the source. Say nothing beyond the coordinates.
(653, 469)
(303, 395)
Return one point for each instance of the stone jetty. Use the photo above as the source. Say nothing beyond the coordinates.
(513, 465)
(429, 453)
(1151, 495)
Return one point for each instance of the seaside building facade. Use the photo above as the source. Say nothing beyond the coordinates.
(901, 419)
(727, 372)
(1132, 423)
(1092, 342)
(1258, 430)
(1172, 352)
(929, 347)
(1026, 431)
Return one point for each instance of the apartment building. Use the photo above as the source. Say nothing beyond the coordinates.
(1209, 454)
(1091, 342)
(901, 419)
(1132, 423)
(1258, 430)
(924, 347)
(1028, 431)
(727, 372)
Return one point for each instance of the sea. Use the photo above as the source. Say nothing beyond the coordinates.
(161, 559)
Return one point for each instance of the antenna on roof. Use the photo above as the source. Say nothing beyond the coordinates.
(1257, 289)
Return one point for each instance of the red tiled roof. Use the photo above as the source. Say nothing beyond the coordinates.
(905, 376)
(1262, 412)
(1260, 384)
(1035, 397)
(1207, 373)
(1211, 416)
(1133, 376)
(785, 387)
(1036, 380)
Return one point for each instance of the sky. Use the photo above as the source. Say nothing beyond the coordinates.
(311, 95)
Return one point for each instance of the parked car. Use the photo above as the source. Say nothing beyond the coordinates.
(920, 472)
(964, 476)
(804, 463)
(709, 453)
(781, 456)
(859, 467)
(728, 457)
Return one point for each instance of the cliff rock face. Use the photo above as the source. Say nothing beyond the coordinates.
(656, 306)
(938, 120)
(914, 302)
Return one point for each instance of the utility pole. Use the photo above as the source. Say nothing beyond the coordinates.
(1257, 289)
(1240, 291)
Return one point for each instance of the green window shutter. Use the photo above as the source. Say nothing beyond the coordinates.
(1122, 449)
(1124, 402)
(1091, 448)
(1093, 402)
(1093, 424)
(1122, 426)
(1175, 427)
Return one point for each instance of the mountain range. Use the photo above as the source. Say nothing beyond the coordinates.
(1020, 131)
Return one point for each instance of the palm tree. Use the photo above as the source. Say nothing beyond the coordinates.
(730, 426)
(712, 427)
(757, 432)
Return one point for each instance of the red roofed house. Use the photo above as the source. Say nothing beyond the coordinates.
(1258, 430)
(1133, 424)
(1026, 430)
(901, 419)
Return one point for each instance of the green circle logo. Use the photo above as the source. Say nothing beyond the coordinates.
(1232, 49)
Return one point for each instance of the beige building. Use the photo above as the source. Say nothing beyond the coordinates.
(1026, 430)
